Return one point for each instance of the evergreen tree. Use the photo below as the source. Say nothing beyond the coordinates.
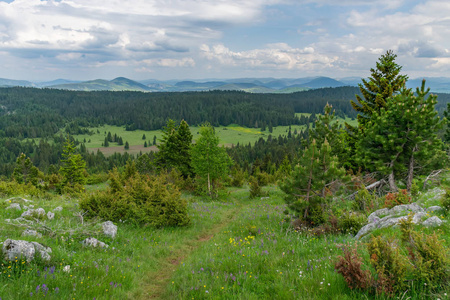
(308, 185)
(73, 166)
(143, 137)
(402, 135)
(120, 141)
(209, 161)
(127, 146)
(174, 148)
(384, 82)
(25, 171)
(145, 144)
(106, 142)
(154, 140)
(328, 128)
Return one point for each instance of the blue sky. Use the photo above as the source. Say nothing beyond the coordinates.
(194, 39)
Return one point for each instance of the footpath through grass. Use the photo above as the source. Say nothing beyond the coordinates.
(236, 248)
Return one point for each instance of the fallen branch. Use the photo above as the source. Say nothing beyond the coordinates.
(372, 186)
(433, 174)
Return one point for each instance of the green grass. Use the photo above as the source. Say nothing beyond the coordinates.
(235, 248)
(228, 135)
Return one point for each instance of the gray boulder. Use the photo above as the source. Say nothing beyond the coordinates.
(15, 249)
(93, 242)
(433, 222)
(14, 206)
(29, 213)
(50, 215)
(109, 229)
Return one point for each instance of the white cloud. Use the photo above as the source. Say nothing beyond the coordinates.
(278, 56)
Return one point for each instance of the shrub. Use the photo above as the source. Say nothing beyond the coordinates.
(349, 266)
(365, 201)
(13, 188)
(255, 188)
(351, 222)
(399, 198)
(139, 199)
(389, 265)
(238, 177)
(428, 255)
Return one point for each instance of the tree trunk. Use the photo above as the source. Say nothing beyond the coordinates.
(392, 184)
(209, 186)
(410, 177)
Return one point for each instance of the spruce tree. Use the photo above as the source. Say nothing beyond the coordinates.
(384, 82)
(308, 185)
(127, 146)
(174, 148)
(25, 171)
(73, 166)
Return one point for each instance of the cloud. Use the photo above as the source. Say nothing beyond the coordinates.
(274, 56)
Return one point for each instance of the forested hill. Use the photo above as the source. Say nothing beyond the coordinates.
(31, 112)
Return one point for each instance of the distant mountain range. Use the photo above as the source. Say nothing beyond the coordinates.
(251, 85)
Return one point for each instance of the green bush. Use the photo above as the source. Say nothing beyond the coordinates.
(13, 188)
(351, 222)
(365, 201)
(140, 200)
(255, 188)
(427, 254)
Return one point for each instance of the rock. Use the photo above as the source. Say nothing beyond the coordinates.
(29, 232)
(93, 242)
(433, 222)
(59, 208)
(109, 229)
(14, 206)
(376, 214)
(50, 215)
(14, 249)
(44, 251)
(391, 217)
(29, 213)
(434, 208)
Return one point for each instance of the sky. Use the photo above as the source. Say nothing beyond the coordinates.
(199, 39)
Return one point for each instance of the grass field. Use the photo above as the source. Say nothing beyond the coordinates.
(229, 135)
(235, 248)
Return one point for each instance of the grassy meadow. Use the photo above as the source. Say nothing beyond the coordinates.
(234, 248)
(228, 135)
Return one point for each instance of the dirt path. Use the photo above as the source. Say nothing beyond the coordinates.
(154, 284)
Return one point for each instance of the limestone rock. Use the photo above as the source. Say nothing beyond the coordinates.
(18, 248)
(433, 222)
(50, 215)
(29, 213)
(109, 229)
(93, 242)
(14, 206)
